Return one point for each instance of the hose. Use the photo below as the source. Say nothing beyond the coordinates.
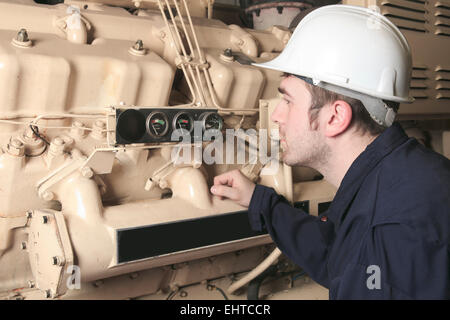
(257, 271)
(255, 284)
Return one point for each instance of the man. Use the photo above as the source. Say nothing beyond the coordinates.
(386, 233)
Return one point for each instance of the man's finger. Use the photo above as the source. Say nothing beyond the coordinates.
(224, 191)
(223, 179)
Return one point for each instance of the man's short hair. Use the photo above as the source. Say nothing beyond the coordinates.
(361, 119)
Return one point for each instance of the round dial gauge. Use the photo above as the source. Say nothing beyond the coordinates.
(131, 125)
(157, 124)
(183, 121)
(212, 121)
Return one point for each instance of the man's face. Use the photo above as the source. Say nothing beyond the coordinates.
(301, 141)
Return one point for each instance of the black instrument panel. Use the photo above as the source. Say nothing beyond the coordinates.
(156, 125)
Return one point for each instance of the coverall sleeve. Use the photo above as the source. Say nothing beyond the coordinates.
(302, 237)
(396, 262)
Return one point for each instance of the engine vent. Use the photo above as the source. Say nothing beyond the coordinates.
(442, 14)
(419, 81)
(442, 82)
(406, 14)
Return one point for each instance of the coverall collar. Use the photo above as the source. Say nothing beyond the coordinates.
(384, 144)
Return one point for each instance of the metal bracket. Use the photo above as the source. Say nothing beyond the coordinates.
(50, 251)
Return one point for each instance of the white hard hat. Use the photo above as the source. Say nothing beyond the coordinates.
(353, 51)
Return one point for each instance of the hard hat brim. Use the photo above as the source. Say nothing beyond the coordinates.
(273, 65)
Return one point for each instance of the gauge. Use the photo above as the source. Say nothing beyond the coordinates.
(211, 121)
(157, 124)
(183, 121)
(131, 125)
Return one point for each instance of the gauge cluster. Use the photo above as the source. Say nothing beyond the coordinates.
(153, 125)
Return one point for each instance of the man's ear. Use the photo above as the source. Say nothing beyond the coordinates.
(338, 118)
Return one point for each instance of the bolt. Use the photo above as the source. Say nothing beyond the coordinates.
(77, 128)
(16, 148)
(16, 143)
(241, 42)
(57, 146)
(100, 124)
(163, 184)
(30, 284)
(98, 283)
(134, 275)
(87, 172)
(183, 294)
(58, 261)
(174, 287)
(58, 141)
(48, 294)
(67, 140)
(44, 219)
(77, 124)
(210, 287)
(139, 45)
(97, 130)
(29, 214)
(23, 245)
(228, 52)
(22, 36)
(48, 196)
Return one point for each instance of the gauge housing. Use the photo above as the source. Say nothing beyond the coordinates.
(133, 125)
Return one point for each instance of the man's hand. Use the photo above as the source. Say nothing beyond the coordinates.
(235, 186)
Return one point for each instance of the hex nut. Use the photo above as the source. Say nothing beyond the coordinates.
(58, 261)
(134, 275)
(16, 148)
(22, 40)
(22, 35)
(57, 146)
(139, 45)
(183, 294)
(98, 130)
(87, 172)
(138, 48)
(78, 129)
(58, 141)
(48, 196)
(100, 124)
(48, 294)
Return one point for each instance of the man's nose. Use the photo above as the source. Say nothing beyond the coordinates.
(277, 115)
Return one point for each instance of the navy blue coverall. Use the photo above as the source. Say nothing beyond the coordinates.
(390, 219)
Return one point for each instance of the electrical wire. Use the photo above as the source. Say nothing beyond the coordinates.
(36, 133)
(212, 286)
(172, 294)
